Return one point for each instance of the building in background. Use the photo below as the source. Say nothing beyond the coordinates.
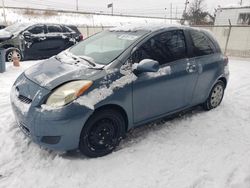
(238, 15)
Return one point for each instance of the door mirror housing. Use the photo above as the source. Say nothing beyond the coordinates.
(26, 34)
(146, 65)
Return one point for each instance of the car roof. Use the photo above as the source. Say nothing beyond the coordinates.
(159, 27)
(147, 27)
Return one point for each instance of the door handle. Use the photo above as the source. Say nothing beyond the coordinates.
(191, 68)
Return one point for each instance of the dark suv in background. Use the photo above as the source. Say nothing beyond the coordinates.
(36, 41)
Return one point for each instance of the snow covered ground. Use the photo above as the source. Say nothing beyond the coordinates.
(198, 150)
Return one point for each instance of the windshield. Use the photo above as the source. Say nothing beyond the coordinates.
(106, 46)
(16, 28)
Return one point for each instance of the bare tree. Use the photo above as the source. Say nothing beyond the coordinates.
(197, 13)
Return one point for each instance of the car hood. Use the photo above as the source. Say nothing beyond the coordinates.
(54, 72)
(4, 35)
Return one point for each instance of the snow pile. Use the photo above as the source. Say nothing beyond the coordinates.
(38, 16)
(198, 150)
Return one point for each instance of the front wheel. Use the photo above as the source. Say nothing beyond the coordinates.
(215, 96)
(102, 133)
(10, 52)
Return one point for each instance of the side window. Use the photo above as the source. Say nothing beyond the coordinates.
(164, 48)
(201, 44)
(39, 29)
(54, 29)
(66, 29)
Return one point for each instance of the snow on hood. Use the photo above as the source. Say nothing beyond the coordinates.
(54, 72)
(5, 34)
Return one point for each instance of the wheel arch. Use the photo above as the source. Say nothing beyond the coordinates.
(84, 144)
(117, 108)
(221, 78)
(207, 106)
(224, 80)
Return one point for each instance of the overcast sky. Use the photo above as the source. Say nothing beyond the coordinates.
(141, 7)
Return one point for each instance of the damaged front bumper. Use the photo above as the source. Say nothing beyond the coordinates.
(57, 129)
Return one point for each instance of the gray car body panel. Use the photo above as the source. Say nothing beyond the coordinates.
(145, 98)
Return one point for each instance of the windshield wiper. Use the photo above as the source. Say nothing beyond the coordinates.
(58, 58)
(87, 60)
(76, 58)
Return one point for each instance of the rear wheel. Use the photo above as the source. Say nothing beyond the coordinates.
(102, 133)
(10, 52)
(215, 96)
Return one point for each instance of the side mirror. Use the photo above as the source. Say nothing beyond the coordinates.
(27, 34)
(146, 65)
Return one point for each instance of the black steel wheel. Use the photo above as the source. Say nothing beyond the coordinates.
(215, 96)
(102, 133)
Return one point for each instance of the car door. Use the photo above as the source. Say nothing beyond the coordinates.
(169, 89)
(208, 64)
(55, 40)
(34, 41)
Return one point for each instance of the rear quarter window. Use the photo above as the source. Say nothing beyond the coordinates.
(74, 29)
(202, 45)
(54, 29)
(67, 29)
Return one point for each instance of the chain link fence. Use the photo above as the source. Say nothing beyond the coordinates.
(90, 30)
(234, 40)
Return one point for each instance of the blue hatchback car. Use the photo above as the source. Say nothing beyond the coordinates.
(90, 95)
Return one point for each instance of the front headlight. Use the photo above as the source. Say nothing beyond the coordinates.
(68, 92)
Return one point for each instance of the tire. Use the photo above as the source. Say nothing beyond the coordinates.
(102, 133)
(9, 53)
(215, 96)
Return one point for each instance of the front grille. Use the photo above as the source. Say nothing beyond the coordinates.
(24, 99)
(24, 129)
